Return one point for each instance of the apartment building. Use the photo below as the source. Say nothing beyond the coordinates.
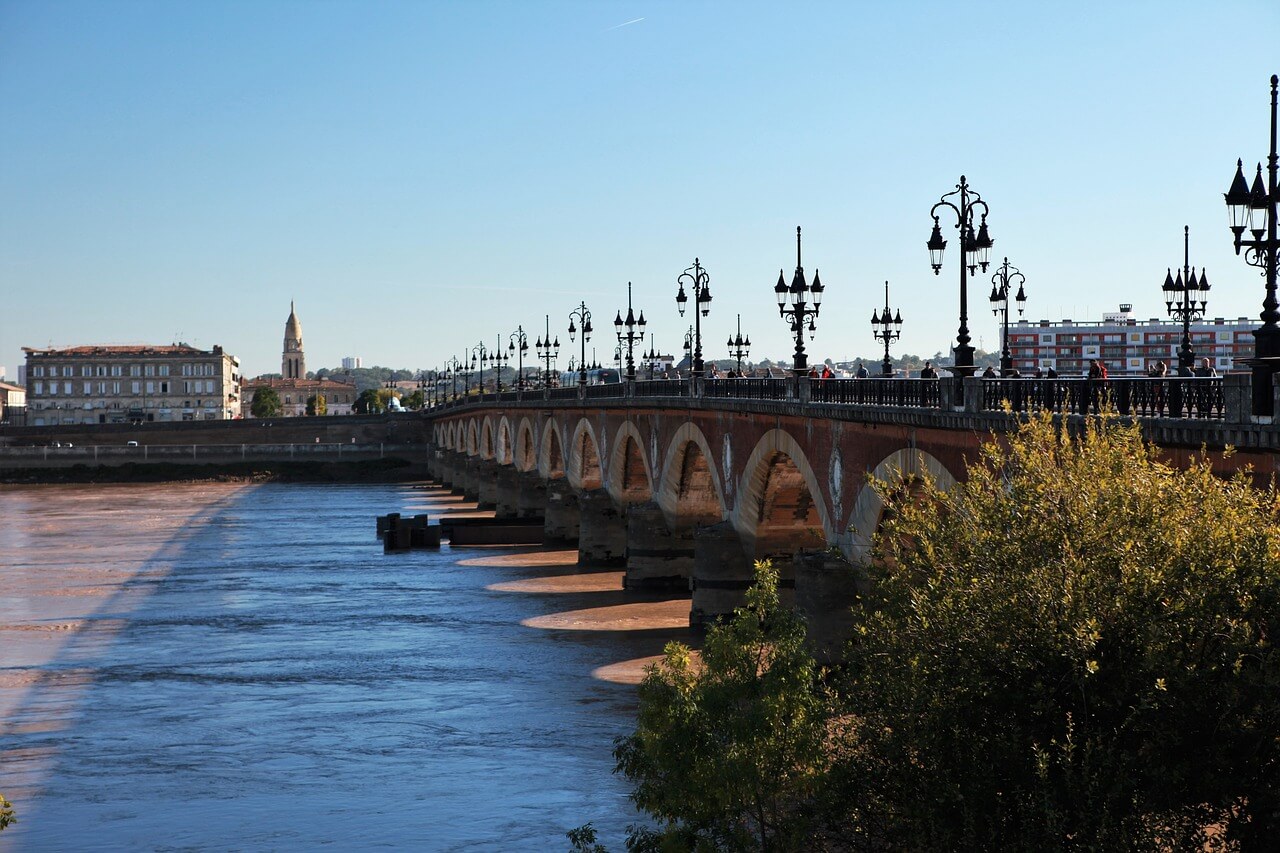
(130, 384)
(1126, 344)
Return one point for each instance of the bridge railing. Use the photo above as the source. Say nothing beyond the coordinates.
(569, 392)
(607, 389)
(1143, 397)
(749, 388)
(881, 391)
(661, 388)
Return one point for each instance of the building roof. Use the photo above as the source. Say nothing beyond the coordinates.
(127, 349)
(297, 384)
(9, 386)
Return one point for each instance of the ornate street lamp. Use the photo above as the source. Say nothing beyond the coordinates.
(651, 356)
(479, 356)
(886, 327)
(581, 317)
(423, 387)
(1001, 283)
(798, 303)
(631, 335)
(548, 351)
(688, 347)
(454, 366)
(976, 247)
(739, 347)
(1254, 210)
(697, 278)
(1181, 303)
(519, 345)
(498, 361)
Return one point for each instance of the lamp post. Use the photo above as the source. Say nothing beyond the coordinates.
(548, 351)
(630, 336)
(1180, 301)
(651, 356)
(479, 355)
(617, 358)
(422, 387)
(886, 327)
(688, 347)
(739, 347)
(794, 305)
(580, 317)
(975, 248)
(1001, 282)
(1254, 209)
(519, 345)
(453, 366)
(498, 361)
(697, 278)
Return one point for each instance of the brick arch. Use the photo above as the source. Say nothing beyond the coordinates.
(629, 480)
(551, 452)
(689, 490)
(502, 450)
(473, 438)
(486, 439)
(584, 471)
(781, 507)
(868, 509)
(525, 456)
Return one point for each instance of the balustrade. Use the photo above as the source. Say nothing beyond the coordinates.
(1142, 397)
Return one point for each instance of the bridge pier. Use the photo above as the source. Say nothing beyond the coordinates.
(562, 513)
(531, 495)
(506, 501)
(453, 466)
(471, 478)
(827, 589)
(602, 530)
(722, 572)
(657, 557)
(486, 484)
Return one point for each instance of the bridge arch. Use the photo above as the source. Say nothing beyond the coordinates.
(629, 480)
(868, 509)
(502, 450)
(486, 438)
(780, 507)
(525, 457)
(473, 438)
(584, 458)
(689, 489)
(551, 452)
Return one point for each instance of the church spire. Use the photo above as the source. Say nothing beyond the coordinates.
(293, 363)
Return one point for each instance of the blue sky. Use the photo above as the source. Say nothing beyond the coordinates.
(422, 176)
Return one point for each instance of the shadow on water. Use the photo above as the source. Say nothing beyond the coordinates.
(274, 681)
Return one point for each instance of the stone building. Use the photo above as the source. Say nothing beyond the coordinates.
(13, 404)
(131, 384)
(293, 386)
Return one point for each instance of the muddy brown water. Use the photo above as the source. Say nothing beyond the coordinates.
(214, 667)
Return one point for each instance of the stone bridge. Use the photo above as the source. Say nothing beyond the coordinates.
(687, 483)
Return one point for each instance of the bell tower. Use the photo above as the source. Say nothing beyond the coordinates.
(293, 363)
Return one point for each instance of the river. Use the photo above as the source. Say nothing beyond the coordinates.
(218, 667)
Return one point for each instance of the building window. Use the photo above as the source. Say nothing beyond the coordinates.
(39, 387)
(66, 388)
(137, 387)
(164, 387)
(115, 387)
(150, 370)
(117, 370)
(86, 370)
(38, 370)
(88, 388)
(151, 387)
(164, 370)
(135, 370)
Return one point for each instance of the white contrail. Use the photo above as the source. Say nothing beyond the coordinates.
(625, 24)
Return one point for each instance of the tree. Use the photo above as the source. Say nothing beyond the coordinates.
(317, 405)
(726, 753)
(7, 814)
(1072, 648)
(368, 403)
(266, 404)
(416, 400)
